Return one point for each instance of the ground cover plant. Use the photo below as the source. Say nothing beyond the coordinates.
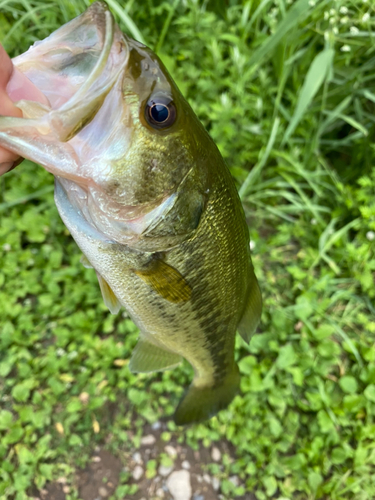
(287, 91)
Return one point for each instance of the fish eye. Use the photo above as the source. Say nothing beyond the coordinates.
(160, 112)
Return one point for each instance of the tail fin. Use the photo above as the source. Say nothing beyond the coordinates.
(202, 403)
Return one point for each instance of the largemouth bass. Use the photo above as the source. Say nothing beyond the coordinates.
(146, 195)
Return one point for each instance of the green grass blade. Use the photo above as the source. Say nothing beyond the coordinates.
(333, 115)
(299, 11)
(316, 75)
(369, 95)
(30, 14)
(351, 121)
(346, 338)
(127, 20)
(256, 14)
(166, 24)
(255, 172)
(32, 196)
(329, 241)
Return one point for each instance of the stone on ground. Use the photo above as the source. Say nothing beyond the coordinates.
(179, 485)
(137, 472)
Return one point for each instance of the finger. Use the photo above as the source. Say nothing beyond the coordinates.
(14, 86)
(7, 107)
(20, 87)
(6, 68)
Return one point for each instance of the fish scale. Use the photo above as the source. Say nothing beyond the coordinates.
(147, 197)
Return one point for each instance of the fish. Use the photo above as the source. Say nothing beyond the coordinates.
(148, 198)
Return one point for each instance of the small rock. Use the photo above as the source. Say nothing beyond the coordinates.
(235, 481)
(206, 478)
(185, 464)
(137, 472)
(103, 492)
(156, 426)
(170, 450)
(179, 485)
(96, 459)
(216, 454)
(148, 440)
(215, 483)
(61, 480)
(198, 497)
(199, 478)
(66, 489)
(160, 493)
(165, 471)
(137, 458)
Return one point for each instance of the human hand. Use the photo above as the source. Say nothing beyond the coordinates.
(14, 86)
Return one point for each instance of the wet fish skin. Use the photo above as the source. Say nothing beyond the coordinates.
(154, 210)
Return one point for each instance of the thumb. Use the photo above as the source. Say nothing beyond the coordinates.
(14, 86)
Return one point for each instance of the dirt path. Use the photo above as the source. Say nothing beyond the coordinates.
(178, 472)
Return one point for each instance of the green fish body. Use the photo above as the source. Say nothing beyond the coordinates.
(147, 197)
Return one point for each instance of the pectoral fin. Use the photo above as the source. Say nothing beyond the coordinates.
(253, 310)
(85, 262)
(166, 281)
(148, 357)
(110, 299)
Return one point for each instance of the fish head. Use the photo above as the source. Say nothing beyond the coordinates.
(157, 177)
(124, 145)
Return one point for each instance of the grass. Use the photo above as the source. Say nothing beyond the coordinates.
(287, 91)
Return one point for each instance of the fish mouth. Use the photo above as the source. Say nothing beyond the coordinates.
(80, 69)
(77, 63)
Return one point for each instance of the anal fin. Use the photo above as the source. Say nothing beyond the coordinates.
(110, 299)
(253, 310)
(148, 357)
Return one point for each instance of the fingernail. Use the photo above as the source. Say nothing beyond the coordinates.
(5, 167)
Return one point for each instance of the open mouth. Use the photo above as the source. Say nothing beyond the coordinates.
(75, 68)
